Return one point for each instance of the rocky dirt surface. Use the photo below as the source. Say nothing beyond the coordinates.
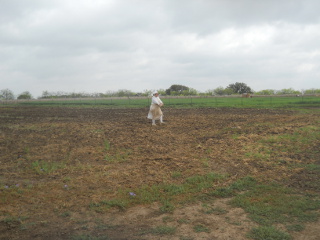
(56, 162)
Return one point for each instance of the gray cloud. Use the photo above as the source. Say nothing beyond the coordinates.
(97, 46)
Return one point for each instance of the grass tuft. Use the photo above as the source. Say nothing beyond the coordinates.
(200, 228)
(240, 185)
(104, 205)
(46, 167)
(268, 232)
(295, 228)
(167, 207)
(273, 204)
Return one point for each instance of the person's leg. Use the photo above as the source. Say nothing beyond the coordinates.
(153, 122)
(161, 119)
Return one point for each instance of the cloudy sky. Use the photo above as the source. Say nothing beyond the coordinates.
(107, 45)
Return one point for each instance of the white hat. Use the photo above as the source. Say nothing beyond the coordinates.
(155, 92)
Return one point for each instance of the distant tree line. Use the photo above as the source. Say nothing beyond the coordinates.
(173, 90)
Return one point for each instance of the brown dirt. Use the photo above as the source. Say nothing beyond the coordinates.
(55, 205)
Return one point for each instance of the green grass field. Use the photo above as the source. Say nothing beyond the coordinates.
(179, 102)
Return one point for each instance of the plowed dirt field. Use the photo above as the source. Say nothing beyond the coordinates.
(59, 165)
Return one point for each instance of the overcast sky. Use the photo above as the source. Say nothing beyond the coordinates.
(107, 45)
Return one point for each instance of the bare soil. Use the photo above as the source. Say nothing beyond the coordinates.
(39, 202)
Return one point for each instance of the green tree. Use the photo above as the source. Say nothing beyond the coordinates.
(192, 92)
(266, 92)
(147, 93)
(219, 91)
(176, 89)
(25, 95)
(109, 94)
(239, 88)
(6, 94)
(312, 91)
(209, 92)
(124, 93)
(162, 91)
(288, 91)
(228, 91)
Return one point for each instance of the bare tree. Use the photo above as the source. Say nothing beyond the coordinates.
(6, 94)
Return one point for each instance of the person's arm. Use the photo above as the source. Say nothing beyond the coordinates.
(160, 102)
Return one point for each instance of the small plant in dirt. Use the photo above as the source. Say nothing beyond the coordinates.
(26, 152)
(9, 193)
(102, 226)
(174, 189)
(89, 237)
(15, 221)
(199, 182)
(213, 210)
(205, 162)
(46, 167)
(176, 174)
(119, 156)
(167, 207)
(268, 232)
(311, 175)
(107, 145)
(65, 214)
(168, 219)
(66, 179)
(12, 220)
(186, 238)
(183, 221)
(295, 228)
(312, 167)
(238, 186)
(115, 156)
(105, 205)
(162, 230)
(231, 221)
(200, 228)
(27, 225)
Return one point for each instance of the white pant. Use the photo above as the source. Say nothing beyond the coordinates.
(154, 121)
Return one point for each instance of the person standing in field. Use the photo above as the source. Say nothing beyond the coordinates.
(155, 112)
